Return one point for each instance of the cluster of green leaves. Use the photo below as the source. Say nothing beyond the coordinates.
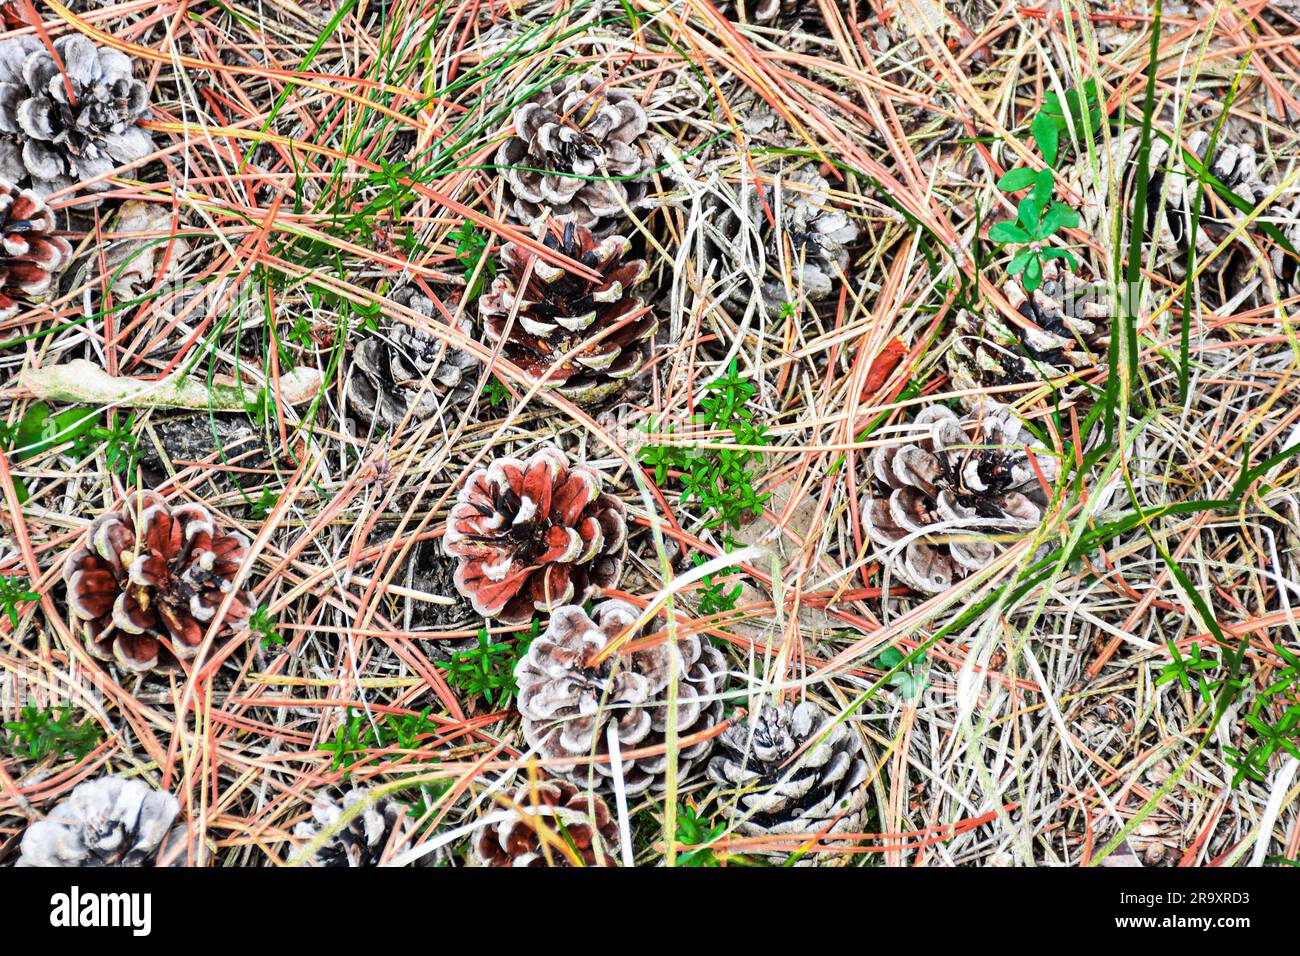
(494, 392)
(487, 670)
(261, 623)
(695, 832)
(471, 246)
(357, 734)
(1038, 215)
(51, 733)
(909, 680)
(13, 591)
(1272, 734)
(40, 429)
(720, 480)
(713, 596)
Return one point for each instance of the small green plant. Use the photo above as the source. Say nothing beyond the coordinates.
(487, 670)
(717, 480)
(697, 833)
(40, 429)
(261, 623)
(1274, 716)
(1189, 670)
(13, 591)
(910, 681)
(1038, 216)
(713, 596)
(471, 246)
(494, 392)
(356, 734)
(51, 733)
(352, 736)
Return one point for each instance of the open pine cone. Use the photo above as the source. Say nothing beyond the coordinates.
(823, 790)
(575, 822)
(52, 139)
(568, 704)
(1071, 333)
(579, 154)
(389, 371)
(557, 311)
(111, 821)
(150, 581)
(1174, 183)
(809, 245)
(957, 487)
(533, 535)
(362, 840)
(31, 255)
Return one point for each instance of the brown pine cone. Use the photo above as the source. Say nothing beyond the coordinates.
(1071, 319)
(151, 580)
(579, 154)
(960, 485)
(31, 256)
(533, 535)
(771, 792)
(567, 704)
(576, 824)
(557, 311)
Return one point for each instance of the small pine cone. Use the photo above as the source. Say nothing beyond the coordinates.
(362, 840)
(31, 256)
(557, 311)
(1286, 267)
(968, 480)
(1174, 183)
(580, 154)
(579, 822)
(534, 535)
(822, 790)
(389, 372)
(111, 821)
(1071, 333)
(151, 580)
(54, 140)
(567, 704)
(810, 245)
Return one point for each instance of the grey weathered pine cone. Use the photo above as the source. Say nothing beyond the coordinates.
(956, 494)
(769, 792)
(51, 139)
(1070, 319)
(810, 246)
(1286, 267)
(1170, 194)
(579, 821)
(568, 704)
(580, 153)
(405, 371)
(362, 840)
(111, 821)
(427, 569)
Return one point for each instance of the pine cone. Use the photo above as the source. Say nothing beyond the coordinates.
(53, 139)
(362, 841)
(960, 484)
(111, 821)
(579, 822)
(579, 154)
(389, 372)
(1072, 317)
(534, 535)
(557, 311)
(1175, 183)
(811, 245)
(567, 704)
(822, 790)
(1286, 267)
(31, 256)
(152, 579)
